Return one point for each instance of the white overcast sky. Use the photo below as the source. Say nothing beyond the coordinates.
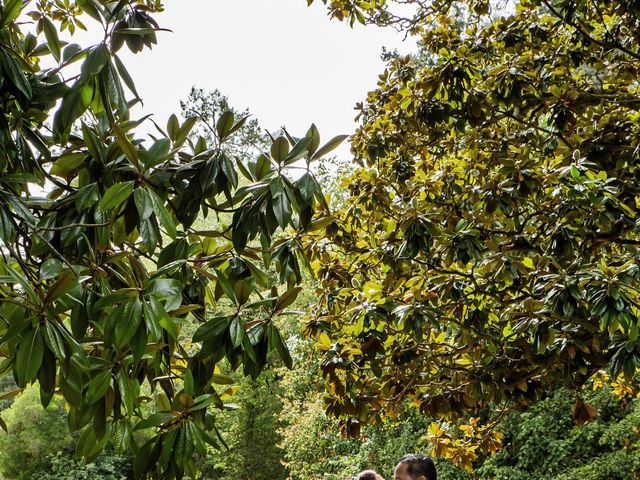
(287, 62)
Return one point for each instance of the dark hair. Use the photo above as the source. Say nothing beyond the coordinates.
(418, 464)
(366, 475)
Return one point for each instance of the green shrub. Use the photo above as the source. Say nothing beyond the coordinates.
(34, 433)
(544, 442)
(105, 467)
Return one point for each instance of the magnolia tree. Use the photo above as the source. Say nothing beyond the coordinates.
(100, 262)
(488, 250)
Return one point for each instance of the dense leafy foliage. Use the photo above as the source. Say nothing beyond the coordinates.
(34, 434)
(101, 261)
(488, 250)
(39, 446)
(251, 432)
(105, 467)
(544, 442)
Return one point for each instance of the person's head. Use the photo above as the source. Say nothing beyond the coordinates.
(415, 467)
(368, 475)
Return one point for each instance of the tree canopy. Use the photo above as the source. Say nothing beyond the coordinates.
(101, 263)
(488, 249)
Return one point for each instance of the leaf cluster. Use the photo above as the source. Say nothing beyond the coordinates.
(101, 265)
(488, 249)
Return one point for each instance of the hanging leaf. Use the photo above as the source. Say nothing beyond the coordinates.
(128, 322)
(116, 195)
(95, 61)
(14, 74)
(98, 387)
(144, 202)
(29, 356)
(60, 287)
(163, 215)
(155, 420)
(280, 202)
(276, 342)
(237, 331)
(10, 12)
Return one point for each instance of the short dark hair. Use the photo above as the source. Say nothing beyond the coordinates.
(366, 475)
(418, 464)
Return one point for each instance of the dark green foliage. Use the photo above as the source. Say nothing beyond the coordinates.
(38, 445)
(107, 466)
(102, 264)
(544, 442)
(251, 432)
(209, 107)
(34, 434)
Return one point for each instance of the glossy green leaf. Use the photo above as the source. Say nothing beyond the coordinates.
(29, 356)
(225, 124)
(128, 323)
(173, 126)
(51, 34)
(87, 197)
(155, 420)
(184, 130)
(212, 328)
(280, 149)
(276, 342)
(315, 139)
(144, 202)
(237, 331)
(127, 147)
(287, 298)
(183, 447)
(125, 388)
(95, 61)
(330, 146)
(14, 74)
(98, 387)
(10, 12)
(280, 201)
(92, 8)
(62, 284)
(157, 153)
(51, 268)
(124, 75)
(73, 106)
(95, 147)
(116, 195)
(54, 341)
(299, 150)
(163, 215)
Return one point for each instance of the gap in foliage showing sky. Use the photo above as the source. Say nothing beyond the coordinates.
(288, 63)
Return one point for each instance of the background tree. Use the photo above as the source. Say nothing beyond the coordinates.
(544, 442)
(251, 432)
(488, 249)
(39, 446)
(34, 433)
(208, 106)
